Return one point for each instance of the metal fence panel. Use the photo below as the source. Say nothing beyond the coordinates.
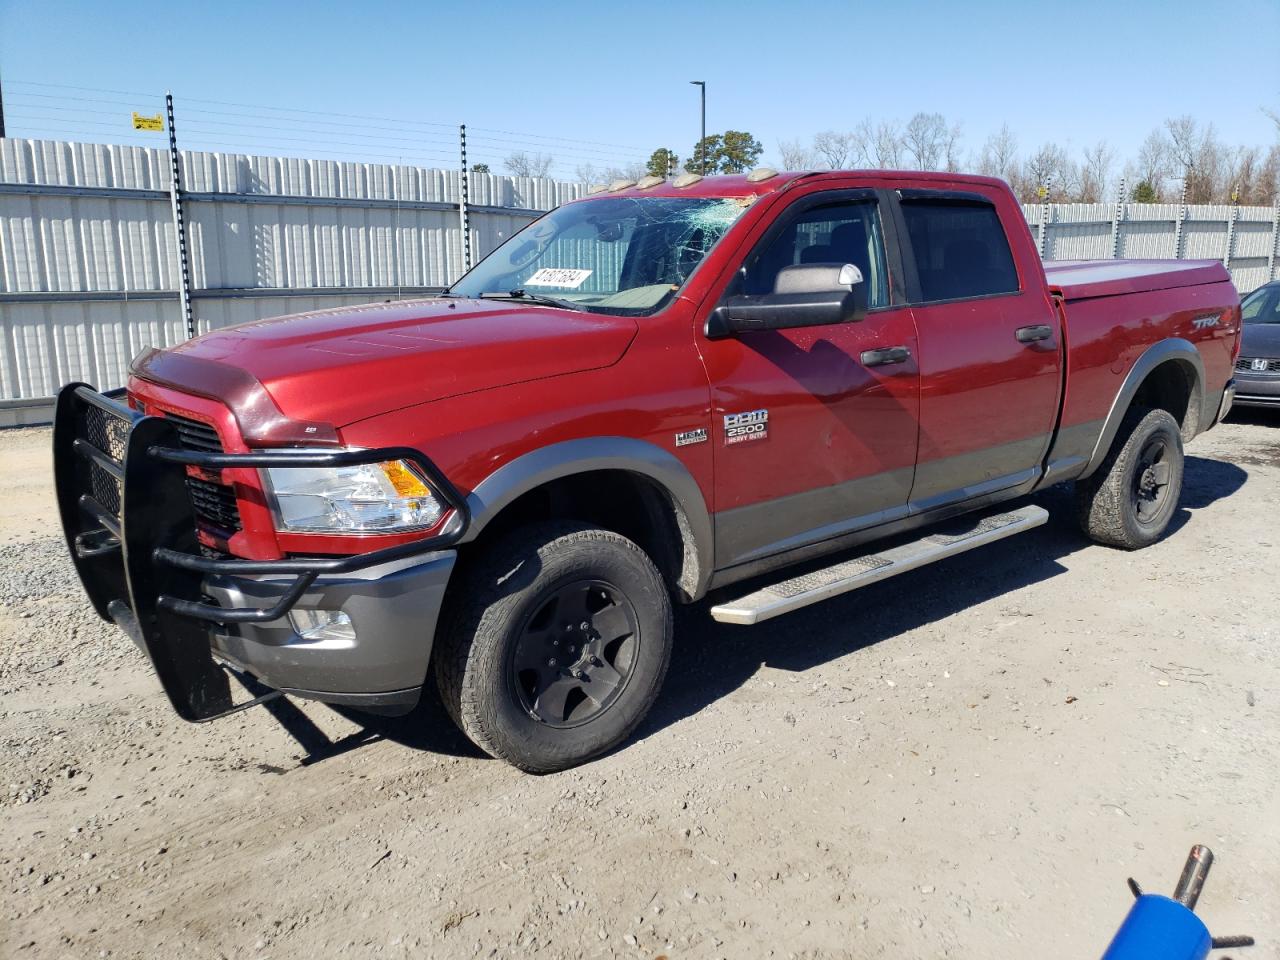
(89, 268)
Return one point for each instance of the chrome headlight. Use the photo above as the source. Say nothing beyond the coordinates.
(387, 497)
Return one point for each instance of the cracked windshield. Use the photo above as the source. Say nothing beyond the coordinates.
(625, 255)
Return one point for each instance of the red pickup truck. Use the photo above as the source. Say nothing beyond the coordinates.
(646, 396)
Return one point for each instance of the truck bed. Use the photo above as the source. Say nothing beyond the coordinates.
(1083, 279)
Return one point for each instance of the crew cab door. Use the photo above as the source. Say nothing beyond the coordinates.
(814, 428)
(990, 344)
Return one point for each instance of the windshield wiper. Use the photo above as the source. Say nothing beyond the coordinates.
(532, 297)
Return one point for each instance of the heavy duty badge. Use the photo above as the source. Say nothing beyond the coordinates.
(740, 427)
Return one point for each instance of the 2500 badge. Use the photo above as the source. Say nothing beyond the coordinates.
(741, 427)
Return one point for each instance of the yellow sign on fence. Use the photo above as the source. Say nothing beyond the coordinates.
(147, 123)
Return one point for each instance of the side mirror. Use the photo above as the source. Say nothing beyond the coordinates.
(804, 295)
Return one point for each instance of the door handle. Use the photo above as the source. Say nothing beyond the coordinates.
(885, 355)
(1038, 331)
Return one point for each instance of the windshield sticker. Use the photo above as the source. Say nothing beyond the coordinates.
(558, 277)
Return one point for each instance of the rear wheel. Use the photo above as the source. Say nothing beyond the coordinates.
(1130, 499)
(557, 647)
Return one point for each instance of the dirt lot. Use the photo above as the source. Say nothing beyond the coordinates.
(965, 761)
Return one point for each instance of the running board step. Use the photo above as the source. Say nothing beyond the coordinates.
(945, 541)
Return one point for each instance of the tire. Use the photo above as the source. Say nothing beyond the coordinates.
(1130, 499)
(517, 671)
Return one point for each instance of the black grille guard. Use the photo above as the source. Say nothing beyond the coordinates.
(137, 554)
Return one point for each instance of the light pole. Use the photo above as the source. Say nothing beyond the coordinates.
(702, 144)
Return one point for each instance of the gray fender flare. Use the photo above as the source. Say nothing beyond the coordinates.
(538, 467)
(1174, 349)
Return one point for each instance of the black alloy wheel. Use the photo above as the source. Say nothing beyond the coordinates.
(555, 644)
(575, 653)
(1151, 479)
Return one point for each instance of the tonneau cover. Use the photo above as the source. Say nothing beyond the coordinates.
(1079, 279)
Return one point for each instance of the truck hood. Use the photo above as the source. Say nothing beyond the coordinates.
(346, 364)
(1260, 340)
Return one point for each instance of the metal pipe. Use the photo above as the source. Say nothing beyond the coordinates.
(1231, 228)
(1117, 215)
(1182, 217)
(464, 217)
(283, 199)
(702, 144)
(1275, 240)
(1194, 874)
(179, 223)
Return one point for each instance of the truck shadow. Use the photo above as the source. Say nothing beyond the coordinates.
(1255, 416)
(712, 660)
(427, 727)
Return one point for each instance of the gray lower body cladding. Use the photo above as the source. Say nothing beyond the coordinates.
(393, 609)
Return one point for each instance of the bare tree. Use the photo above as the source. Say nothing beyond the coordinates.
(834, 149)
(1269, 177)
(1199, 158)
(521, 164)
(1249, 175)
(1049, 169)
(630, 171)
(1152, 168)
(1095, 172)
(794, 155)
(586, 173)
(880, 143)
(1184, 144)
(1181, 149)
(952, 148)
(999, 156)
(924, 140)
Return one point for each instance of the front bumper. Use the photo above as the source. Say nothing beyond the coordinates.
(1257, 391)
(120, 478)
(393, 609)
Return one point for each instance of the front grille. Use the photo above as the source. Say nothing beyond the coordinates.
(1245, 365)
(214, 504)
(110, 435)
(195, 435)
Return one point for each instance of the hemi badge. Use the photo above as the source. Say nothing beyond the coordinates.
(691, 436)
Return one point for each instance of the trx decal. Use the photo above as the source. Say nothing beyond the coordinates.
(1209, 320)
(741, 427)
(691, 436)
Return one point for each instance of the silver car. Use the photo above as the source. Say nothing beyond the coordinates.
(1258, 369)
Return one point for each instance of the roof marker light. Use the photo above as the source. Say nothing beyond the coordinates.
(646, 182)
(687, 179)
(761, 173)
(597, 188)
(621, 184)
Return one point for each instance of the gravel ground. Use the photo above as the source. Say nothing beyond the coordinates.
(967, 760)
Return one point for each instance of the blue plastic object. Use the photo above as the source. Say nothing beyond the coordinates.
(1158, 928)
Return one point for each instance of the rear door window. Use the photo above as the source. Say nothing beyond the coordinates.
(960, 249)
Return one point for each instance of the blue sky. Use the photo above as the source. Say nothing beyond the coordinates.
(605, 82)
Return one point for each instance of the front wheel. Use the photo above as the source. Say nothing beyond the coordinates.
(1130, 499)
(557, 646)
